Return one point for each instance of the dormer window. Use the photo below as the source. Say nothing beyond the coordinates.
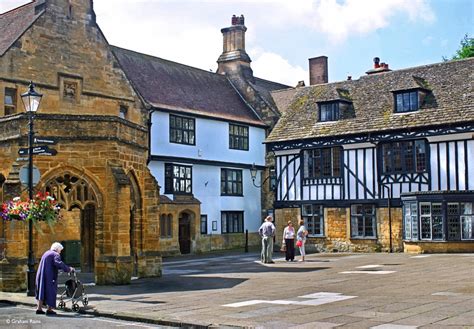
(329, 111)
(407, 101)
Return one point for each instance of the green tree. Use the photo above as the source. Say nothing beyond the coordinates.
(466, 49)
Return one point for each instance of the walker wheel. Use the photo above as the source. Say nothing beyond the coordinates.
(85, 301)
(75, 307)
(62, 305)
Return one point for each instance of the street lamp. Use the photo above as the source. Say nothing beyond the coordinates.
(253, 174)
(31, 101)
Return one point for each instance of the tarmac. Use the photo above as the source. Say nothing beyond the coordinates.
(328, 290)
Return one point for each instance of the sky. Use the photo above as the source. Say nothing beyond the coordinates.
(283, 34)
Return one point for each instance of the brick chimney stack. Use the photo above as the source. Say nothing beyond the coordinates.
(378, 67)
(318, 70)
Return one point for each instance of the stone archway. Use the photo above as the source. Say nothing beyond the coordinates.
(80, 201)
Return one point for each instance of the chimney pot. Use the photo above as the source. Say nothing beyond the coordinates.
(376, 62)
(349, 77)
(234, 20)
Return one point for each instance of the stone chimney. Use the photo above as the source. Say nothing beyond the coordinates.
(378, 67)
(318, 70)
(234, 57)
(77, 10)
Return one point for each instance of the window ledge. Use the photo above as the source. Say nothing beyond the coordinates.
(363, 238)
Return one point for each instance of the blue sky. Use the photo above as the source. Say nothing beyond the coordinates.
(283, 34)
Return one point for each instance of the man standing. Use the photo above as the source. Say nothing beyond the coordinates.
(267, 232)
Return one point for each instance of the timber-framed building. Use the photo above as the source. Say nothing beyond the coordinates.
(385, 162)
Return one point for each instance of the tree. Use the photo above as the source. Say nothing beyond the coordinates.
(466, 49)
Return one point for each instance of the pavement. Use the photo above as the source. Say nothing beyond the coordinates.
(329, 290)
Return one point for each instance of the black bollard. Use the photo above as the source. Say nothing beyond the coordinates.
(246, 240)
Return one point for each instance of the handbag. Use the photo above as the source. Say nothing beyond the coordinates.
(299, 243)
(283, 247)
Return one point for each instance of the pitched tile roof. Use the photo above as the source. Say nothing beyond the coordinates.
(15, 22)
(172, 86)
(450, 100)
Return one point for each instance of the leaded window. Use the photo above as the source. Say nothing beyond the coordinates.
(431, 220)
(313, 216)
(178, 179)
(322, 162)
(232, 221)
(460, 221)
(10, 101)
(182, 130)
(404, 157)
(238, 137)
(363, 221)
(329, 111)
(406, 101)
(231, 182)
(410, 220)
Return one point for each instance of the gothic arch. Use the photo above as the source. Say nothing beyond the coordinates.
(74, 188)
(71, 187)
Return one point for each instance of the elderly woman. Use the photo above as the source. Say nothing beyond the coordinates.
(47, 278)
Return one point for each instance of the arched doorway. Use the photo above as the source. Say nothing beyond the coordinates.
(184, 233)
(74, 193)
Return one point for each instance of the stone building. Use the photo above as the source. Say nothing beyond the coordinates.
(100, 176)
(381, 163)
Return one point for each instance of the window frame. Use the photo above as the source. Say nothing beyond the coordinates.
(237, 140)
(203, 224)
(395, 160)
(166, 226)
(310, 219)
(184, 134)
(311, 164)
(363, 216)
(237, 183)
(399, 99)
(171, 180)
(334, 110)
(10, 109)
(236, 216)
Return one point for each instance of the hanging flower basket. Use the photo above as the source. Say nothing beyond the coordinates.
(42, 207)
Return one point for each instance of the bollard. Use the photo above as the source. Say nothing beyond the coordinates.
(246, 240)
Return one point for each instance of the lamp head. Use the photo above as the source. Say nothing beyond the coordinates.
(31, 99)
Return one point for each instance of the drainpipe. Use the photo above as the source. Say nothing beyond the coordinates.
(149, 135)
(389, 215)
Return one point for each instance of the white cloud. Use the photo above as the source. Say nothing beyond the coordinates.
(274, 67)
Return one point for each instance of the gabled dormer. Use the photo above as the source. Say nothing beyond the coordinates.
(411, 99)
(336, 109)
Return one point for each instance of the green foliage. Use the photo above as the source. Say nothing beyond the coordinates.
(466, 49)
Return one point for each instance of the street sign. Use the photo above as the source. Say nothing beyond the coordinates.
(45, 140)
(38, 150)
(24, 175)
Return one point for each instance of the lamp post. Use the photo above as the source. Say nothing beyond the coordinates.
(31, 101)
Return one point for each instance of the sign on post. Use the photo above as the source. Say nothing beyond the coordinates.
(45, 140)
(38, 150)
(24, 175)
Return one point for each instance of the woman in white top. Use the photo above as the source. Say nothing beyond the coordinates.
(289, 241)
(301, 236)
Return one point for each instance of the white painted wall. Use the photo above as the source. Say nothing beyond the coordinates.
(212, 143)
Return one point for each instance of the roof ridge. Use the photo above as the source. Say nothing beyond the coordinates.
(167, 60)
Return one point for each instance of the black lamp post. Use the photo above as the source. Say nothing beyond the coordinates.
(31, 101)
